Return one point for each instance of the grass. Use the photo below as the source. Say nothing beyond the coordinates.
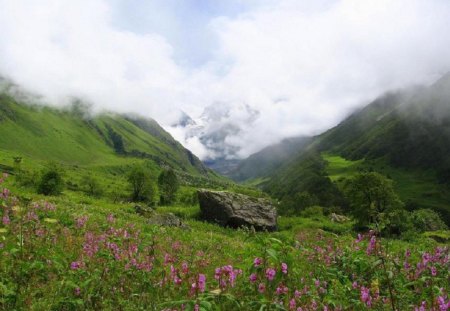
(417, 186)
(50, 261)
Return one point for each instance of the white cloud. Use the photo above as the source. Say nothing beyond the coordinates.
(303, 65)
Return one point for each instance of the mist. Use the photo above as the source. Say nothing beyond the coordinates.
(268, 69)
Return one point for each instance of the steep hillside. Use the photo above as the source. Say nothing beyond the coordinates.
(268, 160)
(71, 137)
(404, 135)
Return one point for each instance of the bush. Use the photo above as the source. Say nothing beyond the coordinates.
(427, 220)
(168, 186)
(92, 186)
(142, 188)
(312, 211)
(51, 182)
(372, 199)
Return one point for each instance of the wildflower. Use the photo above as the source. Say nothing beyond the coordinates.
(270, 274)
(110, 218)
(365, 296)
(284, 268)
(443, 305)
(257, 262)
(359, 239)
(292, 304)
(281, 289)
(253, 278)
(433, 271)
(261, 288)
(75, 265)
(422, 307)
(355, 285)
(81, 221)
(201, 282)
(77, 291)
(371, 246)
(196, 307)
(226, 275)
(5, 220)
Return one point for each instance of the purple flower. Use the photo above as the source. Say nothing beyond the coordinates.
(371, 246)
(292, 304)
(270, 274)
(257, 262)
(77, 291)
(253, 278)
(365, 296)
(201, 282)
(75, 265)
(433, 271)
(5, 220)
(261, 288)
(284, 268)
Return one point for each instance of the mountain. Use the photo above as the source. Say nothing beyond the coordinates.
(106, 143)
(268, 160)
(404, 135)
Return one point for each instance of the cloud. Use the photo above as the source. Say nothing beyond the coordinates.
(300, 65)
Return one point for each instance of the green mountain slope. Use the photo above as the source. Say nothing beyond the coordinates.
(404, 135)
(69, 136)
(268, 160)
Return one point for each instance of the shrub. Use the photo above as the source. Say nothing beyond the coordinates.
(142, 189)
(427, 220)
(92, 186)
(372, 199)
(168, 186)
(312, 211)
(51, 181)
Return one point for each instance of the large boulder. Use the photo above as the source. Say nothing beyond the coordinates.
(237, 210)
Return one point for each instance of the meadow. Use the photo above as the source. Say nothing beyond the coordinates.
(75, 252)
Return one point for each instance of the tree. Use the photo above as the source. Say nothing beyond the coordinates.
(168, 186)
(142, 189)
(372, 198)
(92, 185)
(51, 181)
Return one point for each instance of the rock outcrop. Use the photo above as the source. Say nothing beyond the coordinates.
(237, 210)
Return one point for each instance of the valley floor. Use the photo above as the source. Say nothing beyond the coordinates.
(78, 253)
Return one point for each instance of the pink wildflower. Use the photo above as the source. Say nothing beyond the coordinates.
(261, 288)
(284, 268)
(257, 262)
(270, 274)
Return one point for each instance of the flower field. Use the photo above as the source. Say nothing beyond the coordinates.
(57, 256)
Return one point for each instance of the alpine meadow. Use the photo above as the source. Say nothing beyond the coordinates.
(225, 155)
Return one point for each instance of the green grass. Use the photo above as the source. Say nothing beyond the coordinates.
(339, 168)
(413, 186)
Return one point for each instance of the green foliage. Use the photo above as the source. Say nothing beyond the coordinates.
(294, 205)
(92, 185)
(427, 220)
(51, 181)
(142, 187)
(116, 140)
(372, 198)
(187, 196)
(168, 186)
(307, 174)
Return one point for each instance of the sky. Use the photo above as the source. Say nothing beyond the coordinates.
(249, 72)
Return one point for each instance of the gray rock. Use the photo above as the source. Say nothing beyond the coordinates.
(237, 210)
(145, 211)
(167, 220)
(338, 218)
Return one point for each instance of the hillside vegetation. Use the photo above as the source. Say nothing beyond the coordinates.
(404, 135)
